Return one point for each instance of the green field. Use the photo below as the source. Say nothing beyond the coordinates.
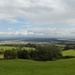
(69, 53)
(1, 56)
(6, 47)
(10, 48)
(29, 67)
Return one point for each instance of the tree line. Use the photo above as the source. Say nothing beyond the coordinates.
(41, 53)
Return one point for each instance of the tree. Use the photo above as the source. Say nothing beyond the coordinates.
(10, 54)
(23, 54)
(44, 53)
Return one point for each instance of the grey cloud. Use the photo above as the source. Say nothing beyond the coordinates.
(43, 11)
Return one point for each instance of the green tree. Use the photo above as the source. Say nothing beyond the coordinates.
(10, 54)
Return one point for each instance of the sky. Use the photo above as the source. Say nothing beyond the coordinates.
(37, 18)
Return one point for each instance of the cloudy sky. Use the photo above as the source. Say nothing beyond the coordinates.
(37, 18)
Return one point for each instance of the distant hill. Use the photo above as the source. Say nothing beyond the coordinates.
(27, 39)
(34, 39)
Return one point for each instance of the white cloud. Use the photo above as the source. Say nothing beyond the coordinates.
(41, 32)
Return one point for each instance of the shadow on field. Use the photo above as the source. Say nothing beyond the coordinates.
(2, 59)
(68, 57)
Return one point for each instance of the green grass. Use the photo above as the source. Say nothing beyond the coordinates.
(29, 67)
(6, 47)
(1, 56)
(28, 48)
(69, 53)
(10, 48)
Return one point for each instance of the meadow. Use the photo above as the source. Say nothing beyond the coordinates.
(30, 67)
(68, 52)
(10, 48)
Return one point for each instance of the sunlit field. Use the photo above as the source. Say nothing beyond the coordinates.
(10, 48)
(69, 53)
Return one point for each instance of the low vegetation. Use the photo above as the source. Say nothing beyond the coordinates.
(10, 54)
(23, 54)
(29, 67)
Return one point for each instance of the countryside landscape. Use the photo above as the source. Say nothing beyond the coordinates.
(30, 66)
(37, 37)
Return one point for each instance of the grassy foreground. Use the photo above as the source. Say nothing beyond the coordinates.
(29, 67)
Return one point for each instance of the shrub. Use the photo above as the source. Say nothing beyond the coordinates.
(46, 53)
(23, 54)
(33, 54)
(56, 52)
(10, 54)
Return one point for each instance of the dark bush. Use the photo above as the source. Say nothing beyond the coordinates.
(56, 51)
(23, 54)
(33, 54)
(10, 54)
(46, 53)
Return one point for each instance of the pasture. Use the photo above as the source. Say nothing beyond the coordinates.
(6, 47)
(68, 53)
(10, 48)
(29, 67)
